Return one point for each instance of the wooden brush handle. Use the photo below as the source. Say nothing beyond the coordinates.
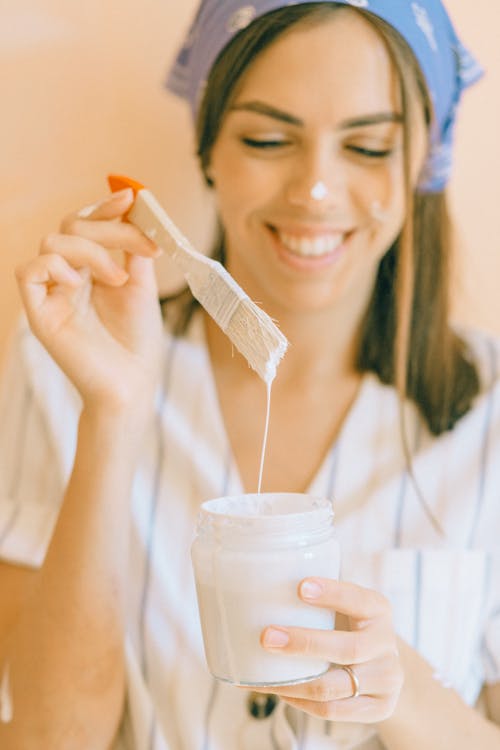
(149, 216)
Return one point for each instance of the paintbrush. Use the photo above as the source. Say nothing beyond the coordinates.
(250, 329)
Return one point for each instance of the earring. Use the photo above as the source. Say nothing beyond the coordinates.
(319, 191)
(209, 176)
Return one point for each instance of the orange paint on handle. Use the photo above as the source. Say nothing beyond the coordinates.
(120, 182)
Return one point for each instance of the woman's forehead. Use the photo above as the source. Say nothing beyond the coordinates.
(224, 30)
(340, 68)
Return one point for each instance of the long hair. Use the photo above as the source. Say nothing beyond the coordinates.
(406, 337)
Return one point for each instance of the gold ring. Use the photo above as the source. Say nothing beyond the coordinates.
(354, 681)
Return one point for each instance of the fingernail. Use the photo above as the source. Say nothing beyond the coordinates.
(87, 211)
(311, 589)
(275, 638)
(126, 192)
(157, 253)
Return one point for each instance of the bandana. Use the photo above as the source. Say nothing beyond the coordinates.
(447, 66)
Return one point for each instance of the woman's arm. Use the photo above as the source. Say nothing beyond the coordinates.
(102, 325)
(65, 653)
(432, 716)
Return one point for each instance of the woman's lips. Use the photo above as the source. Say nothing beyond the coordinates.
(309, 250)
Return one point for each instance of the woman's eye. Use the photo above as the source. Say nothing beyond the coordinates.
(264, 143)
(371, 153)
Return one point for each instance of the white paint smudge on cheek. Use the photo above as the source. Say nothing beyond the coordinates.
(377, 211)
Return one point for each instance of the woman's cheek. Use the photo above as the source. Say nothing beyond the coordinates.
(247, 179)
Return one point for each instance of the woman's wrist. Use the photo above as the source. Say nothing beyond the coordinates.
(430, 714)
(117, 421)
(418, 680)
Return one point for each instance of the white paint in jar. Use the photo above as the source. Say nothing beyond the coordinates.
(249, 555)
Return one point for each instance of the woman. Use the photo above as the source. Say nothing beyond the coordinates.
(328, 168)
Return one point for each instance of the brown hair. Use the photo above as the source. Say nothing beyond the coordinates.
(406, 337)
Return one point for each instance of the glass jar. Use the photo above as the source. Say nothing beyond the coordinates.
(249, 555)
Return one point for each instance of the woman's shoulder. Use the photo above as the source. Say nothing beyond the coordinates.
(483, 417)
(483, 349)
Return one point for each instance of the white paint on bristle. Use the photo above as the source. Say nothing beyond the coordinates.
(257, 337)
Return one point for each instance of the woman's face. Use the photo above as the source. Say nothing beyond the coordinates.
(308, 167)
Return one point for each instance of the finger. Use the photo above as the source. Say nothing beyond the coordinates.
(141, 271)
(81, 252)
(337, 646)
(96, 223)
(111, 207)
(363, 710)
(35, 278)
(379, 677)
(357, 602)
(113, 235)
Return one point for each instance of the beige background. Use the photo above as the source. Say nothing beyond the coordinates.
(82, 95)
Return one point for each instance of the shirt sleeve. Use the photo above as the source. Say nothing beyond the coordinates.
(491, 640)
(39, 412)
(488, 516)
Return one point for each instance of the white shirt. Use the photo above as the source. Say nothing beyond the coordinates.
(445, 592)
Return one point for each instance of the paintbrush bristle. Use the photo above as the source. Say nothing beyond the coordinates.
(255, 335)
(252, 332)
(250, 329)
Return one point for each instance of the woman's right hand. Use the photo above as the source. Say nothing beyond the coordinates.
(100, 321)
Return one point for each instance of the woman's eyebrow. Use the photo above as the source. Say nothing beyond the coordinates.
(372, 119)
(268, 110)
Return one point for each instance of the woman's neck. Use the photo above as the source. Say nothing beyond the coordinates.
(322, 345)
(315, 387)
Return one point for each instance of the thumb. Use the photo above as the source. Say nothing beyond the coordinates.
(141, 271)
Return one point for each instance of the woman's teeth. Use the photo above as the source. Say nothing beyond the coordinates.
(311, 246)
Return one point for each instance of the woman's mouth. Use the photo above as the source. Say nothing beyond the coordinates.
(307, 246)
(309, 249)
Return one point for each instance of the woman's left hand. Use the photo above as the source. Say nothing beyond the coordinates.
(369, 690)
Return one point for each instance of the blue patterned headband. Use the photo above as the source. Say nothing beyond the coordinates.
(446, 64)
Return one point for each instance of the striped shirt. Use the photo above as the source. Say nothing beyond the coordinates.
(445, 591)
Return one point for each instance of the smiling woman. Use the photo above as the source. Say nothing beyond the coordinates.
(382, 148)
(280, 152)
(324, 131)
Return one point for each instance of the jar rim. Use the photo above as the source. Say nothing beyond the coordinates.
(267, 510)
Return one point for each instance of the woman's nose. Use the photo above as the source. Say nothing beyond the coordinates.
(316, 188)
